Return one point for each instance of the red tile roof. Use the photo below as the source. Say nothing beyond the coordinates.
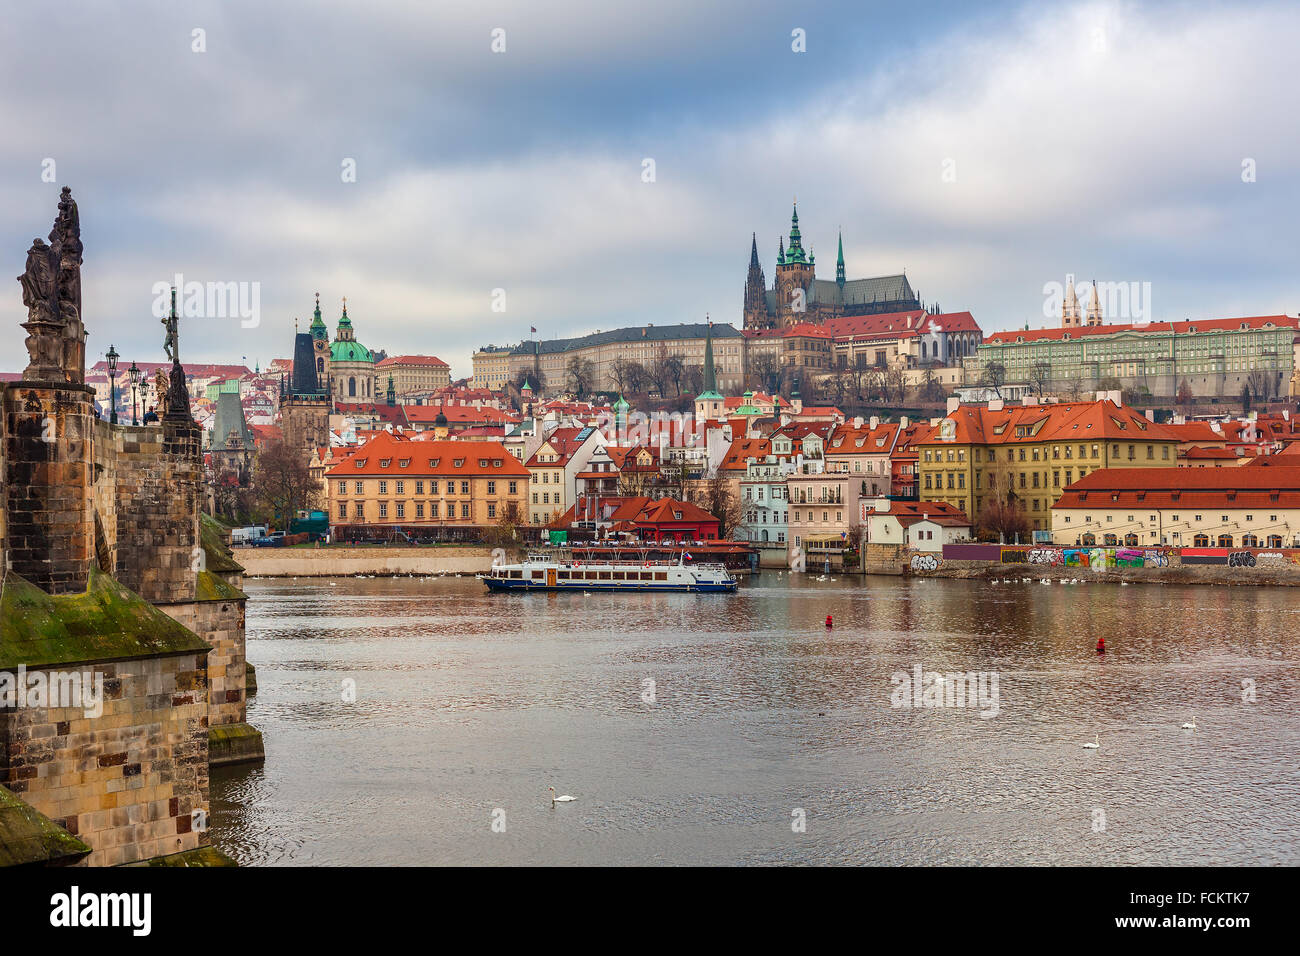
(1190, 488)
(383, 457)
(1064, 422)
(430, 360)
(910, 512)
(1196, 325)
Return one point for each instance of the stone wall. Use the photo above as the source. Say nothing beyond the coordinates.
(48, 436)
(126, 782)
(152, 477)
(337, 561)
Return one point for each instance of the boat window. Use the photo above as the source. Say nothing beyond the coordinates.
(516, 574)
(604, 575)
(647, 575)
(618, 576)
(591, 575)
(537, 575)
(564, 575)
(661, 575)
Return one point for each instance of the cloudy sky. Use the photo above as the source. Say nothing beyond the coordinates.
(987, 151)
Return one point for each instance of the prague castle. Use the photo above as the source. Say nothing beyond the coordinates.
(798, 296)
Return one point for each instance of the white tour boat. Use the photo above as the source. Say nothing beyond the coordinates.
(541, 572)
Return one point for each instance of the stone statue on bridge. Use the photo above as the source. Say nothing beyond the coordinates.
(56, 335)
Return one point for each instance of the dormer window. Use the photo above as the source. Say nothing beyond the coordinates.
(482, 462)
(404, 463)
(457, 463)
(496, 462)
(361, 462)
(433, 462)
(385, 462)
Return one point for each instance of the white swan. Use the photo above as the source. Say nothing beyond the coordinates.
(1191, 725)
(564, 799)
(1095, 745)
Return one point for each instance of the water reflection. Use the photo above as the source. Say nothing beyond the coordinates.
(467, 702)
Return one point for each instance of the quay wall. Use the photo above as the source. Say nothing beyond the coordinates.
(342, 561)
(1223, 566)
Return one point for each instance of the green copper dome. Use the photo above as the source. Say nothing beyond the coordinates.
(350, 351)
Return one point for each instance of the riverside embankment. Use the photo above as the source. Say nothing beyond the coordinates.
(1221, 566)
(342, 561)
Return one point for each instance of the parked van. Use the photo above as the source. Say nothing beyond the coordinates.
(247, 535)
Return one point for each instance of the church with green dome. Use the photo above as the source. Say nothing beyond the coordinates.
(351, 364)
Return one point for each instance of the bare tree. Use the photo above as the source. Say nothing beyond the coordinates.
(1040, 375)
(659, 371)
(765, 372)
(1185, 397)
(994, 377)
(620, 371)
(283, 484)
(1260, 384)
(580, 375)
(717, 498)
(676, 372)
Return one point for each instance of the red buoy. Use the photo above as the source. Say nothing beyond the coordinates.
(828, 621)
(1101, 645)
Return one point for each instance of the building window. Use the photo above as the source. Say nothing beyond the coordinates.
(343, 509)
(419, 509)
(492, 510)
(401, 487)
(401, 509)
(361, 510)
(383, 487)
(383, 509)
(514, 487)
(492, 488)
(359, 486)
(464, 510)
(464, 487)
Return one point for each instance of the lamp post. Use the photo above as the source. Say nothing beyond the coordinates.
(134, 373)
(112, 384)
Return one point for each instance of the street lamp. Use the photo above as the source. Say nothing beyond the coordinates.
(112, 384)
(134, 374)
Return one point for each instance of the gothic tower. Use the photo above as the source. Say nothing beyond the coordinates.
(320, 340)
(755, 316)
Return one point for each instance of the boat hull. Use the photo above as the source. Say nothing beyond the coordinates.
(495, 584)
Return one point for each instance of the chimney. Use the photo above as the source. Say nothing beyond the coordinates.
(1029, 400)
(857, 422)
(954, 403)
(995, 404)
(902, 422)
(1151, 414)
(875, 422)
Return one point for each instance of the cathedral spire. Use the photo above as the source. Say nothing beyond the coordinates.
(710, 376)
(839, 265)
(796, 253)
(753, 250)
(1094, 306)
(780, 250)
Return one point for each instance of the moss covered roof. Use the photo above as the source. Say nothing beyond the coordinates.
(217, 555)
(106, 622)
(28, 836)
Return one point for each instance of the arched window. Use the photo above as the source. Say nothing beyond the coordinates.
(1225, 541)
(1249, 541)
(1275, 541)
(1110, 540)
(1130, 540)
(352, 387)
(1090, 539)
(1201, 541)
(320, 366)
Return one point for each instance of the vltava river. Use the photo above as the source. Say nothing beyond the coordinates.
(737, 729)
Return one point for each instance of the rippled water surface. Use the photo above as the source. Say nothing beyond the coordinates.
(470, 704)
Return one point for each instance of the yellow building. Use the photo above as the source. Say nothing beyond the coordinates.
(1029, 454)
(411, 374)
(491, 367)
(433, 488)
